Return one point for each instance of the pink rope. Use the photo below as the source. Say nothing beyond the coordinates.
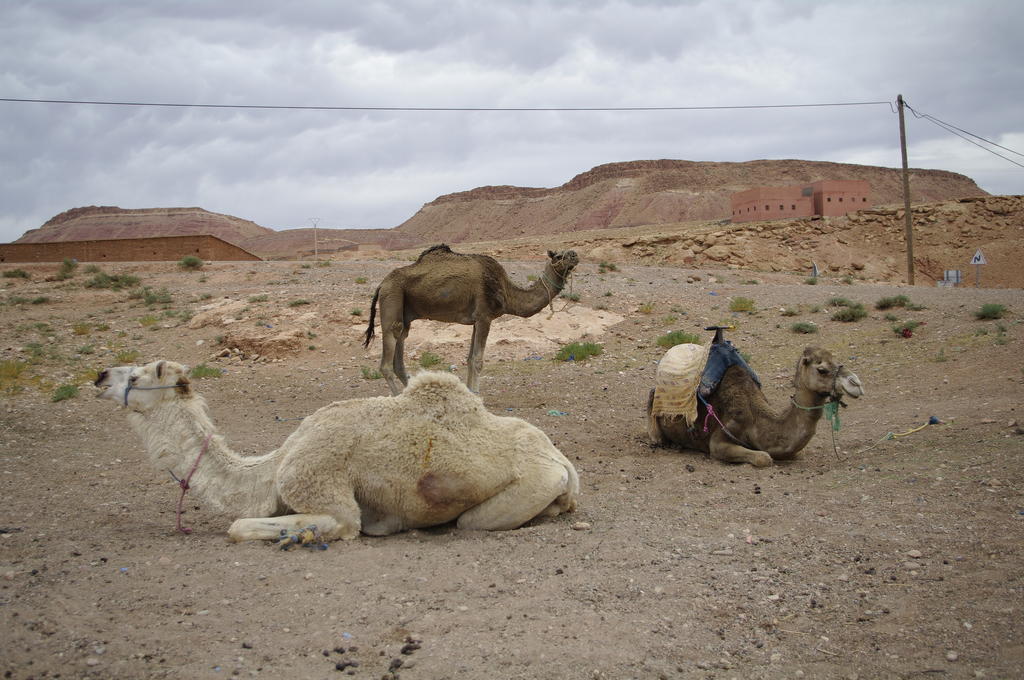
(183, 483)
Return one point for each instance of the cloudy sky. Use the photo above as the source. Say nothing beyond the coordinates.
(360, 166)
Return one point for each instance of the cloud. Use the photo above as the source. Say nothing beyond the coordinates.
(955, 60)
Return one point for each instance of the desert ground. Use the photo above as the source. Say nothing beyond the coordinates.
(889, 549)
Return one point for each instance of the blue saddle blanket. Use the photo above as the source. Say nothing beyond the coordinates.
(721, 356)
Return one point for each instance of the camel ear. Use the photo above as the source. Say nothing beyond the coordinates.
(160, 369)
(552, 254)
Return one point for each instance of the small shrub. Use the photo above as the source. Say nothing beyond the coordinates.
(64, 392)
(646, 308)
(790, 311)
(428, 359)
(607, 267)
(91, 269)
(370, 373)
(838, 302)
(891, 317)
(677, 338)
(741, 304)
(190, 263)
(574, 297)
(67, 269)
(670, 320)
(41, 300)
(206, 296)
(579, 351)
(259, 298)
(81, 329)
(905, 329)
(855, 312)
(941, 356)
(323, 263)
(360, 279)
(848, 280)
(86, 349)
(804, 327)
(126, 356)
(16, 274)
(990, 311)
(608, 293)
(148, 320)
(115, 282)
(750, 282)
(298, 303)
(811, 280)
(356, 311)
(204, 371)
(890, 302)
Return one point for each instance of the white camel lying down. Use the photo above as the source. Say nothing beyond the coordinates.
(380, 465)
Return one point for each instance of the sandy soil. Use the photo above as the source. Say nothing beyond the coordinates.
(886, 557)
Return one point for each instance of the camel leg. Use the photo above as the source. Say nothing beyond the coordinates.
(724, 449)
(476, 353)
(400, 355)
(527, 497)
(269, 528)
(389, 341)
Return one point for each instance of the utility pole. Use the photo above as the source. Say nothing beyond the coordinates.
(316, 246)
(908, 227)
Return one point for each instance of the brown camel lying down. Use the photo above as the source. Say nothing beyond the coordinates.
(747, 429)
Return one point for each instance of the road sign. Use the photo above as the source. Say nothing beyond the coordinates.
(979, 258)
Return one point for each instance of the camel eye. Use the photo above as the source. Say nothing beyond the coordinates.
(133, 378)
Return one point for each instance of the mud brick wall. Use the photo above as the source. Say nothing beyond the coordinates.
(164, 248)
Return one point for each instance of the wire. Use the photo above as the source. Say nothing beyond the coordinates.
(433, 108)
(952, 129)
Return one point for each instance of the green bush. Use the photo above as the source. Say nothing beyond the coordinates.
(191, 263)
(890, 302)
(741, 304)
(204, 371)
(115, 282)
(578, 351)
(789, 311)
(16, 274)
(298, 303)
(429, 359)
(360, 279)
(370, 373)
(64, 392)
(67, 269)
(607, 267)
(855, 312)
(906, 328)
(677, 338)
(811, 280)
(990, 310)
(803, 327)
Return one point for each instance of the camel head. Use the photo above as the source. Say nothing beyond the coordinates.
(819, 372)
(142, 388)
(563, 262)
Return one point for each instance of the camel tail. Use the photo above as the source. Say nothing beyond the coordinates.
(373, 315)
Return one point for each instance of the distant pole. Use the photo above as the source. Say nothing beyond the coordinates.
(316, 246)
(908, 227)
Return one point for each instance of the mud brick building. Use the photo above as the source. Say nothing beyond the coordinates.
(160, 248)
(828, 198)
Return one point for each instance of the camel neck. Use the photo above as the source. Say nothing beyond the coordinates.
(175, 433)
(528, 301)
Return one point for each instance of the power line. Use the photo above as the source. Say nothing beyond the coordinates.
(281, 107)
(952, 129)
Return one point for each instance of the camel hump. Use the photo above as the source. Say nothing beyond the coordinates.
(434, 385)
(439, 249)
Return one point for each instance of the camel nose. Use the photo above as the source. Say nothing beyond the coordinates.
(101, 377)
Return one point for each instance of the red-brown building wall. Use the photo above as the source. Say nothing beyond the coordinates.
(163, 248)
(833, 198)
(828, 198)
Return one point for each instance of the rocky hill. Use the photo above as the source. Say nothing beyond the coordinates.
(104, 222)
(652, 192)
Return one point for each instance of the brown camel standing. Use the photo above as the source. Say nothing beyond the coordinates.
(744, 427)
(443, 285)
